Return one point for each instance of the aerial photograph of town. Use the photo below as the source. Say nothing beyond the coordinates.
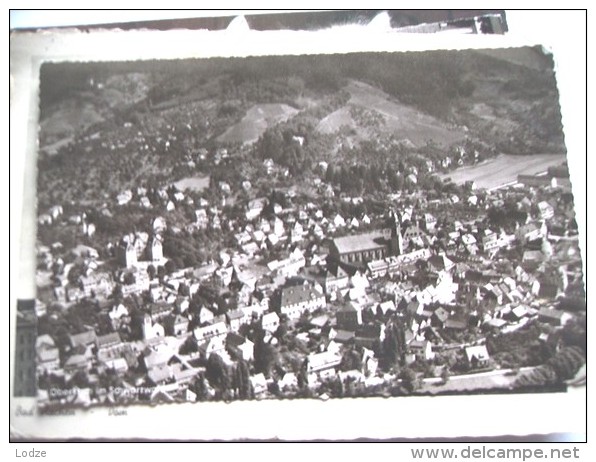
(292, 227)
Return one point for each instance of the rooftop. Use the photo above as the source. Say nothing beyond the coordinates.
(235, 314)
(344, 336)
(234, 339)
(108, 339)
(299, 294)
(359, 242)
(478, 351)
(324, 360)
(84, 338)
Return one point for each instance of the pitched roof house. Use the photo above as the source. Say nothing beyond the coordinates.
(349, 316)
(477, 356)
(368, 335)
(237, 318)
(84, 338)
(270, 322)
(218, 329)
(555, 317)
(296, 300)
(318, 362)
(177, 325)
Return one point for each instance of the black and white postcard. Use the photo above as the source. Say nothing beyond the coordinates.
(362, 228)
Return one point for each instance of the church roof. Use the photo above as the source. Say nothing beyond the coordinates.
(360, 242)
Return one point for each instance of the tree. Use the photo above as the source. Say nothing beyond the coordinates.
(540, 376)
(190, 345)
(47, 381)
(394, 345)
(408, 379)
(445, 375)
(337, 387)
(218, 373)
(151, 271)
(242, 382)
(266, 357)
(75, 273)
(184, 290)
(567, 362)
(351, 359)
(79, 380)
(128, 279)
(200, 387)
(282, 330)
(574, 332)
(117, 294)
(110, 379)
(302, 377)
(170, 266)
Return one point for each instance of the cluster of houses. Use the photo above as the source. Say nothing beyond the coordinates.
(334, 287)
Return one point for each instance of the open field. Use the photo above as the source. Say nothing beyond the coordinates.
(82, 108)
(257, 119)
(196, 183)
(71, 117)
(504, 169)
(334, 121)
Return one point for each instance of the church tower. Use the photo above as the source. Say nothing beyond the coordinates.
(396, 244)
(156, 250)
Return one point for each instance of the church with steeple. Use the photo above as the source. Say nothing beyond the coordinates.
(156, 251)
(359, 249)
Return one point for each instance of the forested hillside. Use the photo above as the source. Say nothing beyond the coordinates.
(108, 127)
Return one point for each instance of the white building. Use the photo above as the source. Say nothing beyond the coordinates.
(299, 299)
